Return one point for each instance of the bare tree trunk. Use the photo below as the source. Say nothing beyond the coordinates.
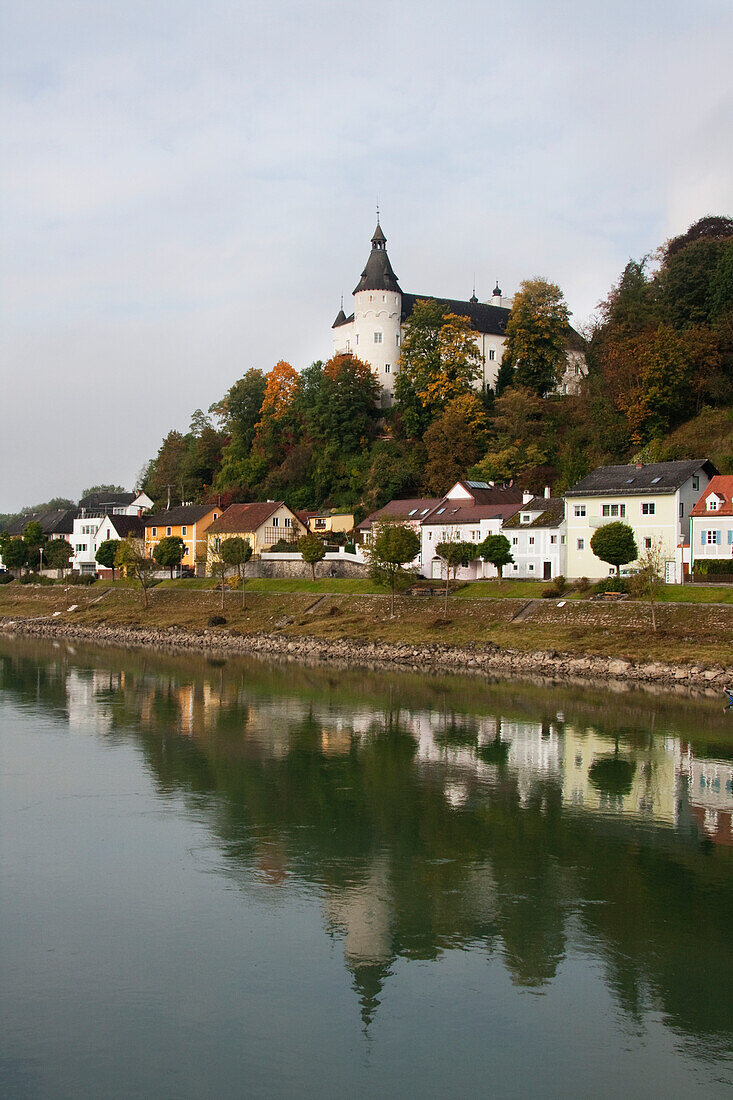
(394, 578)
(447, 582)
(243, 571)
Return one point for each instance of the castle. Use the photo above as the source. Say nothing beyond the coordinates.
(373, 332)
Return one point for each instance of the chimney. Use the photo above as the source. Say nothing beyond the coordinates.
(526, 496)
(547, 492)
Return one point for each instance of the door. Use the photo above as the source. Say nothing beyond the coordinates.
(437, 569)
(547, 574)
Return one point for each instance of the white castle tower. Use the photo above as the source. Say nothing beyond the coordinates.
(372, 333)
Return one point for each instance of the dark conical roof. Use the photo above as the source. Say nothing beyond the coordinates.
(340, 319)
(378, 273)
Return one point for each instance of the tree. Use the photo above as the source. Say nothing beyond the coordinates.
(312, 550)
(107, 553)
(169, 552)
(237, 552)
(504, 377)
(615, 543)
(166, 475)
(34, 539)
(455, 554)
(218, 568)
(102, 489)
(275, 430)
(15, 553)
(57, 554)
(454, 442)
(497, 551)
(393, 547)
(649, 579)
(536, 335)
(136, 564)
(439, 360)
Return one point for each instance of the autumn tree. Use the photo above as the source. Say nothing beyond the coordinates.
(517, 441)
(614, 543)
(536, 335)
(439, 360)
(312, 550)
(237, 552)
(454, 442)
(238, 412)
(275, 430)
(131, 557)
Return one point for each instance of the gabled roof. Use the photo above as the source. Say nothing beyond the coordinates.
(245, 518)
(483, 493)
(127, 526)
(59, 521)
(174, 517)
(453, 512)
(654, 477)
(720, 486)
(412, 508)
(482, 317)
(95, 502)
(551, 513)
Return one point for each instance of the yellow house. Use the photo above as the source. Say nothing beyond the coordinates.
(655, 500)
(326, 523)
(262, 524)
(190, 522)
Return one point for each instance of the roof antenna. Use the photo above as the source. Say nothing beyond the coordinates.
(342, 301)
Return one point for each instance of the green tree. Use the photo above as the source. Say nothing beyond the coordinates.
(15, 554)
(455, 554)
(237, 552)
(107, 553)
(312, 550)
(504, 377)
(168, 553)
(33, 535)
(439, 361)
(615, 543)
(102, 489)
(536, 335)
(497, 551)
(57, 554)
(393, 547)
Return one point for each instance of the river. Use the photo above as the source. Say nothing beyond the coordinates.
(227, 878)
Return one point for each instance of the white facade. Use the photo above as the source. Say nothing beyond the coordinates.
(539, 550)
(711, 525)
(89, 531)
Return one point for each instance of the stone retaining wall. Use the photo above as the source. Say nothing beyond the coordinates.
(477, 660)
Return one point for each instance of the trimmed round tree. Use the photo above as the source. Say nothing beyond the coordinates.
(169, 552)
(106, 554)
(615, 543)
(312, 550)
(497, 551)
(15, 554)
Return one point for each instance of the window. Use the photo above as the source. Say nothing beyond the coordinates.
(377, 338)
(492, 355)
(553, 540)
(397, 340)
(648, 509)
(440, 511)
(348, 345)
(387, 368)
(696, 482)
(562, 540)
(531, 540)
(515, 542)
(531, 568)
(216, 515)
(184, 530)
(656, 480)
(287, 521)
(581, 544)
(579, 510)
(613, 510)
(357, 337)
(730, 536)
(475, 535)
(275, 521)
(155, 531)
(526, 518)
(515, 567)
(647, 543)
(711, 538)
(682, 509)
(168, 531)
(712, 504)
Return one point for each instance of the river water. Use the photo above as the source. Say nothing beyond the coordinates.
(235, 878)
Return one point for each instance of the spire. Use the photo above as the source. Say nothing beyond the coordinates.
(473, 299)
(497, 290)
(378, 273)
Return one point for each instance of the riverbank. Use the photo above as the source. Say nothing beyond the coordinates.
(693, 647)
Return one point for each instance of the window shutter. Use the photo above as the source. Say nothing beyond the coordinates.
(730, 536)
(704, 536)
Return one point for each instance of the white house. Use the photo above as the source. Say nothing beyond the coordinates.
(655, 500)
(711, 522)
(87, 535)
(374, 331)
(469, 512)
(537, 534)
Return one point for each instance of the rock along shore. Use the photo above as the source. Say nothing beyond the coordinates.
(427, 657)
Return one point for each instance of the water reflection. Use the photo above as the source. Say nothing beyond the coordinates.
(527, 823)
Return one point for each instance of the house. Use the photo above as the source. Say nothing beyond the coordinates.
(655, 500)
(93, 509)
(56, 524)
(262, 524)
(711, 522)
(189, 522)
(329, 523)
(117, 527)
(468, 512)
(374, 331)
(537, 534)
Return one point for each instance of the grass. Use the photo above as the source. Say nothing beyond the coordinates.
(507, 590)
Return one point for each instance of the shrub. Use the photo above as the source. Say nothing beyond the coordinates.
(582, 584)
(283, 547)
(78, 578)
(216, 620)
(5, 577)
(611, 584)
(705, 568)
(560, 584)
(550, 593)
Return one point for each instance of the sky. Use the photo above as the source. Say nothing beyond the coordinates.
(189, 186)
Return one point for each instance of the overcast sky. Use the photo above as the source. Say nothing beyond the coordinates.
(188, 186)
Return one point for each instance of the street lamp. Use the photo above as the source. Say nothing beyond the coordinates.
(40, 551)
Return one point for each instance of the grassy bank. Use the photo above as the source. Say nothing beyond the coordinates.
(697, 634)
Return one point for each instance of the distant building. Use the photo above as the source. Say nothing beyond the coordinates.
(537, 534)
(374, 331)
(711, 522)
(94, 508)
(261, 523)
(189, 522)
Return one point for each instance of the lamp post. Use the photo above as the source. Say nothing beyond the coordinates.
(40, 551)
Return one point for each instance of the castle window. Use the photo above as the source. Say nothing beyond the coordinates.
(397, 339)
(387, 368)
(357, 337)
(348, 345)
(492, 355)
(377, 338)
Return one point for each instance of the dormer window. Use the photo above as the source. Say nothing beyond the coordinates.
(713, 504)
(526, 517)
